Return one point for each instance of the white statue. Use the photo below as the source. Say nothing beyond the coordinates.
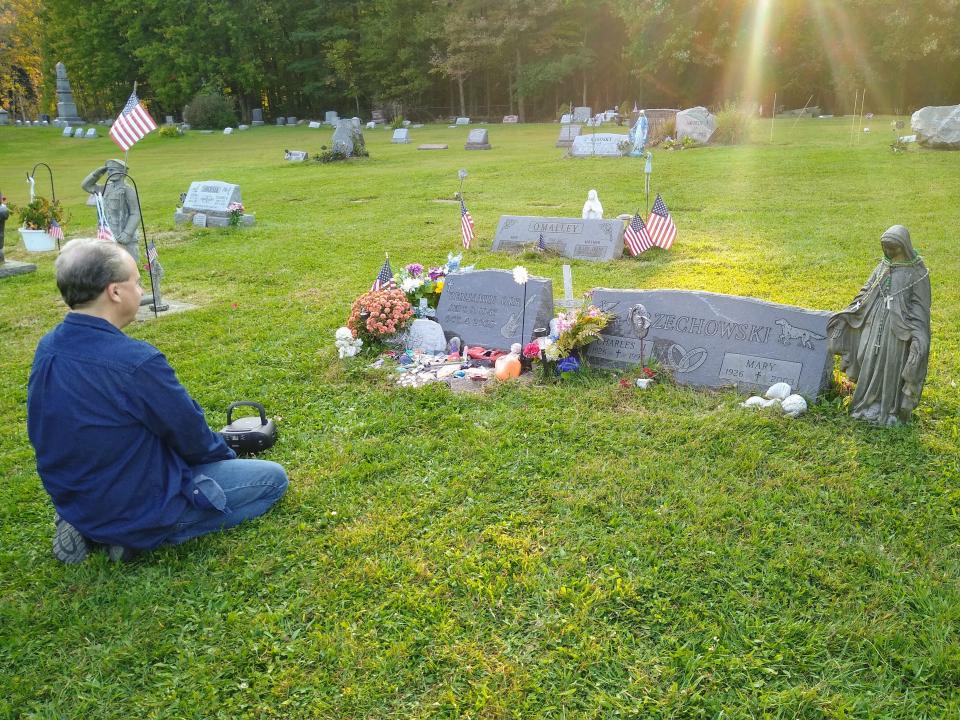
(592, 209)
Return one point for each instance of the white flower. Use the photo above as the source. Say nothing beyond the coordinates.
(520, 275)
(410, 284)
(552, 353)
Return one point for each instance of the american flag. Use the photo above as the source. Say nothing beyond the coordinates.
(466, 225)
(133, 123)
(55, 231)
(636, 237)
(384, 277)
(541, 243)
(660, 225)
(103, 228)
(152, 253)
(104, 233)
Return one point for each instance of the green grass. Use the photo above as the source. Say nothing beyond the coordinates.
(571, 551)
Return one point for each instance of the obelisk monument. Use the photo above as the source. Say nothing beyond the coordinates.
(66, 107)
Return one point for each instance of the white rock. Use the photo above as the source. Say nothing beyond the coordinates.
(794, 405)
(752, 402)
(771, 402)
(937, 126)
(778, 391)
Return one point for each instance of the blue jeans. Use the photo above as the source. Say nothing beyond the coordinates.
(251, 487)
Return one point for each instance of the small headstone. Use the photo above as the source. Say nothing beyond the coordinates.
(241, 128)
(425, 335)
(15, 267)
(566, 118)
(256, 117)
(477, 140)
(78, 132)
(356, 123)
(568, 134)
(211, 198)
(200, 219)
(371, 125)
(281, 121)
(569, 301)
(462, 121)
(314, 125)
(432, 146)
(343, 137)
(331, 117)
(294, 155)
(4, 117)
(582, 114)
(400, 135)
(291, 120)
(185, 126)
(594, 122)
(598, 144)
(487, 308)
(697, 123)
(168, 120)
(228, 131)
(417, 126)
(377, 116)
(510, 119)
(67, 131)
(715, 340)
(91, 133)
(571, 237)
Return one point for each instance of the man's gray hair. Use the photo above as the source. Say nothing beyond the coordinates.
(86, 266)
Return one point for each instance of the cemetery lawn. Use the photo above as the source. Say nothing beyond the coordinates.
(572, 551)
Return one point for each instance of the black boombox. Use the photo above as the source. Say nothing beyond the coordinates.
(249, 434)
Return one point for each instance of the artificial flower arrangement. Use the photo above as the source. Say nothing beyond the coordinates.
(571, 331)
(379, 314)
(236, 211)
(40, 214)
(417, 282)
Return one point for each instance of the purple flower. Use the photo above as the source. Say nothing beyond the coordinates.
(568, 364)
(437, 272)
(414, 269)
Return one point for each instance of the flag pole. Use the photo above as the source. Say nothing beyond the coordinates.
(863, 97)
(773, 115)
(853, 123)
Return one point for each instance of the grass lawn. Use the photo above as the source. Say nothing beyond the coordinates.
(574, 551)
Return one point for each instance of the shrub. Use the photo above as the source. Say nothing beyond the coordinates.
(38, 214)
(397, 122)
(733, 125)
(170, 131)
(661, 131)
(211, 111)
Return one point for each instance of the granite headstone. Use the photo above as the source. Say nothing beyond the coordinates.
(511, 119)
(490, 309)
(66, 107)
(400, 135)
(582, 114)
(462, 121)
(331, 117)
(91, 133)
(314, 125)
(566, 119)
(432, 146)
(477, 140)
(568, 133)
(598, 144)
(571, 237)
(294, 155)
(715, 340)
(67, 131)
(425, 335)
(256, 116)
(697, 123)
(343, 137)
(291, 120)
(211, 198)
(281, 121)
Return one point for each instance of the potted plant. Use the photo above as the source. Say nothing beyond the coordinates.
(36, 219)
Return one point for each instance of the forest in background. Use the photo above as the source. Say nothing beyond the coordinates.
(430, 59)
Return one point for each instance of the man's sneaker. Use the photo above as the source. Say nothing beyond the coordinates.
(69, 546)
(119, 553)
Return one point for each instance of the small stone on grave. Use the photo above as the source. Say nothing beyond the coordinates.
(426, 336)
(432, 146)
(168, 120)
(416, 126)
(566, 118)
(200, 220)
(477, 140)
(78, 133)
(15, 267)
(371, 125)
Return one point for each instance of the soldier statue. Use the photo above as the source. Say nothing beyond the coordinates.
(119, 203)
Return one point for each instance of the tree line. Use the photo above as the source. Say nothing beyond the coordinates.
(430, 59)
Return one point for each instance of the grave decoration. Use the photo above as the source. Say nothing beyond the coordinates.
(41, 223)
(9, 267)
(779, 397)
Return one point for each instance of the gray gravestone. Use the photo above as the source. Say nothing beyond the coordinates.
(331, 117)
(168, 120)
(715, 340)
(228, 131)
(294, 155)
(4, 117)
(67, 131)
(241, 128)
(314, 125)
(937, 127)
(571, 237)
(256, 116)
(568, 133)
(462, 121)
(425, 335)
(291, 120)
(598, 144)
(488, 308)
(582, 114)
(281, 121)
(211, 198)
(477, 140)
(432, 146)
(91, 133)
(697, 123)
(357, 124)
(343, 137)
(200, 219)
(400, 135)
(566, 119)
(78, 132)
(511, 119)
(66, 107)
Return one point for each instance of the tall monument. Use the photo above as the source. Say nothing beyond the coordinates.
(66, 107)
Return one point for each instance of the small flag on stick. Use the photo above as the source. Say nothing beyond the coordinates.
(635, 237)
(541, 243)
(133, 123)
(466, 225)
(660, 225)
(384, 277)
(55, 231)
(103, 228)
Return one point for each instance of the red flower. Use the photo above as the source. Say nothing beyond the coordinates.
(531, 350)
(625, 383)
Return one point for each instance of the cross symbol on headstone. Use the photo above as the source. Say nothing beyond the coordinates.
(758, 376)
(568, 301)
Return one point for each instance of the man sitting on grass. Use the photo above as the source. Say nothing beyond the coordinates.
(123, 450)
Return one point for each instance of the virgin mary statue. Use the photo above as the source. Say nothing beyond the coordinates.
(883, 336)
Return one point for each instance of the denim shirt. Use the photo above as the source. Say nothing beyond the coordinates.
(116, 433)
